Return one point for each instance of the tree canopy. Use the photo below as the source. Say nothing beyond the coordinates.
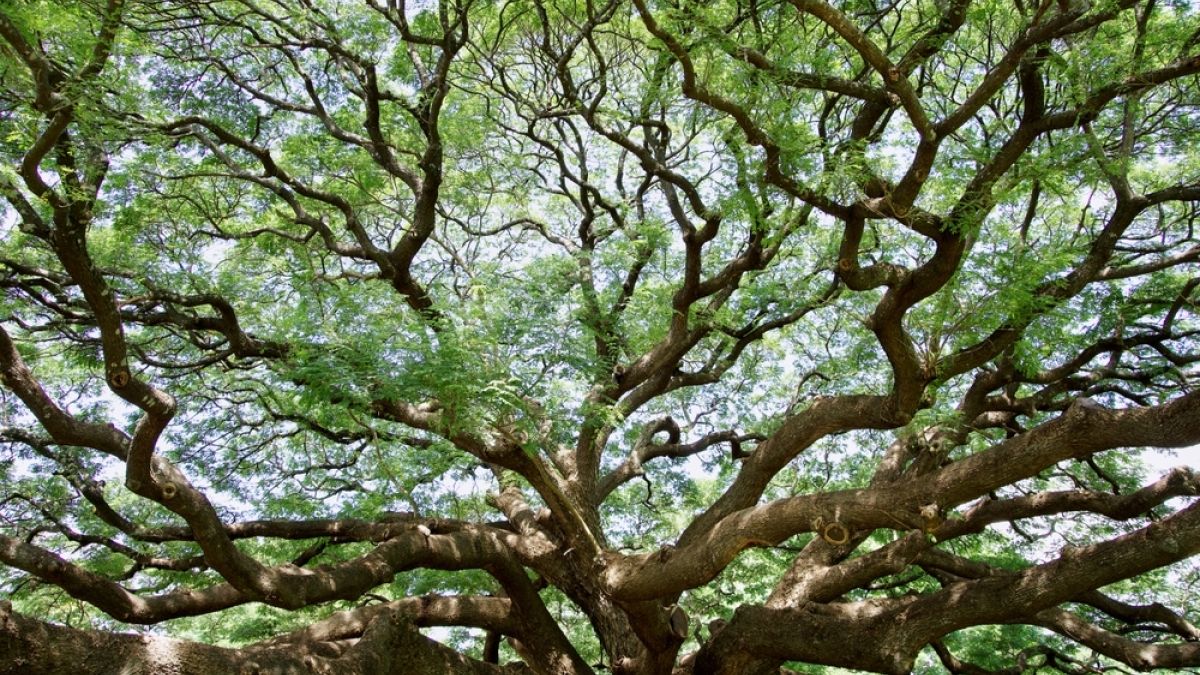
(583, 336)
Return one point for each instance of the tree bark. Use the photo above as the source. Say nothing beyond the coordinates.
(390, 645)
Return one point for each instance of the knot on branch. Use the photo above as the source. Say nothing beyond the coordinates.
(119, 377)
(835, 533)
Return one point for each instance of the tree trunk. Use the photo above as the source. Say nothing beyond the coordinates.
(390, 645)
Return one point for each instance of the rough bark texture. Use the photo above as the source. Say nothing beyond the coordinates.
(903, 278)
(389, 644)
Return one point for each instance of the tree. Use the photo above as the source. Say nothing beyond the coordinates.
(655, 336)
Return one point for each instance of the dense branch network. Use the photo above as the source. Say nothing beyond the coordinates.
(544, 322)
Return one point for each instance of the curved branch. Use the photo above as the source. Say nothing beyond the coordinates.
(389, 644)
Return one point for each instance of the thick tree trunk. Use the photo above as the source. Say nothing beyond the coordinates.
(390, 645)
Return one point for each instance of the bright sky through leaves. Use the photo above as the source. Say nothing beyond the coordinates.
(651, 337)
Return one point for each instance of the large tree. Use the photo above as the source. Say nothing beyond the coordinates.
(562, 336)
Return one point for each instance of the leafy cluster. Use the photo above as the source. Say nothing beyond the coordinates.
(557, 336)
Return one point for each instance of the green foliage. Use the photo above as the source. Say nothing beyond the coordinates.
(265, 169)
